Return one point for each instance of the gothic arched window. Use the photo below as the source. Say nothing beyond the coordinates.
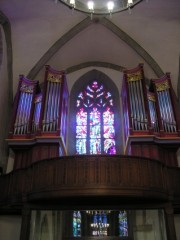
(95, 131)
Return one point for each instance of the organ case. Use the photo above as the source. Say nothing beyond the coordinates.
(151, 123)
(39, 125)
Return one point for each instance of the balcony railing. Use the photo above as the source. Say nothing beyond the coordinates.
(95, 175)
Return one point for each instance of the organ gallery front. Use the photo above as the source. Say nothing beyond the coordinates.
(131, 196)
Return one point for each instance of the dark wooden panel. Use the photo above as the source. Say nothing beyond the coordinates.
(121, 176)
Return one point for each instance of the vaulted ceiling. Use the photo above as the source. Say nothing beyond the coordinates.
(47, 32)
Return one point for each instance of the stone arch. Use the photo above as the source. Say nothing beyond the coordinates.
(83, 25)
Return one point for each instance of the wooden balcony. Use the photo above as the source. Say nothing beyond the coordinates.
(91, 176)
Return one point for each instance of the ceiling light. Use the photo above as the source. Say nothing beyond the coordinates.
(100, 7)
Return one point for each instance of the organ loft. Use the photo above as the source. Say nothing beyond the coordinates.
(95, 192)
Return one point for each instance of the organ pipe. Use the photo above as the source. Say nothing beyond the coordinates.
(167, 116)
(136, 100)
(37, 110)
(52, 100)
(153, 113)
(23, 109)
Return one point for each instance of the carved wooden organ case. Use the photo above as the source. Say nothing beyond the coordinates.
(151, 122)
(39, 121)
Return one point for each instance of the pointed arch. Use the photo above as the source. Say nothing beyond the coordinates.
(81, 83)
(83, 25)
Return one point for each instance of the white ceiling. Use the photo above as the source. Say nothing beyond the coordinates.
(37, 25)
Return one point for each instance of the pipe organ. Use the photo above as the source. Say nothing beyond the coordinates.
(151, 123)
(39, 121)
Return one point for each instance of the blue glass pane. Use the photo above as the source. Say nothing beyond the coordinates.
(95, 146)
(109, 146)
(81, 146)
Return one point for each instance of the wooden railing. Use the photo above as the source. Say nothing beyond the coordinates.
(77, 176)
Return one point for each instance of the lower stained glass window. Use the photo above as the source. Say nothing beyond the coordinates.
(101, 224)
(76, 224)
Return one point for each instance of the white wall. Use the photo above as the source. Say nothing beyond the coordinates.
(4, 103)
(10, 227)
(177, 225)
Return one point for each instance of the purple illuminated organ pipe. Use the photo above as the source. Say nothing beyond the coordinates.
(18, 114)
(168, 116)
(163, 111)
(133, 115)
(132, 100)
(47, 110)
(56, 111)
(36, 116)
(139, 106)
(168, 110)
(53, 107)
(155, 117)
(151, 112)
(172, 118)
(46, 100)
(136, 109)
(152, 108)
(57, 104)
(144, 119)
(25, 115)
(46, 106)
(21, 113)
(27, 107)
(29, 111)
(50, 107)
(155, 123)
(58, 101)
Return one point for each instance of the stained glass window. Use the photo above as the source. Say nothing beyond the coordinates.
(95, 131)
(100, 224)
(76, 224)
(123, 224)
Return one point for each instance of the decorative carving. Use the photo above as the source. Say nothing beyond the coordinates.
(161, 86)
(131, 77)
(55, 78)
